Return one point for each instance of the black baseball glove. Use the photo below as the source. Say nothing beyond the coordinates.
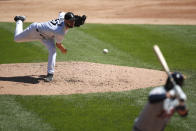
(79, 20)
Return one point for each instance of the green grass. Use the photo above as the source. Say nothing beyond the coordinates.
(129, 45)
(176, 42)
(13, 117)
(85, 112)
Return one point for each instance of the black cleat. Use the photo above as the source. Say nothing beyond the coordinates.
(49, 78)
(22, 18)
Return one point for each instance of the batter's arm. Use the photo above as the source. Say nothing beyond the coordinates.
(157, 98)
(61, 48)
(156, 95)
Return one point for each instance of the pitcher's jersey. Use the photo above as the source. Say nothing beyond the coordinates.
(54, 29)
(152, 117)
(61, 16)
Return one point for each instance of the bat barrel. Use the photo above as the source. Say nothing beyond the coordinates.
(163, 62)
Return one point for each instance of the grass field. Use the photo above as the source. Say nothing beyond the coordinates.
(129, 45)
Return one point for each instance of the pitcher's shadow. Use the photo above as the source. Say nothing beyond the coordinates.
(24, 79)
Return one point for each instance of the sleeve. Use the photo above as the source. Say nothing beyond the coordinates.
(61, 16)
(157, 95)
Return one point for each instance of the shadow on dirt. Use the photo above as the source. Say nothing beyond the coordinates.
(24, 79)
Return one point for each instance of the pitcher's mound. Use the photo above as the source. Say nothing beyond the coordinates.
(75, 77)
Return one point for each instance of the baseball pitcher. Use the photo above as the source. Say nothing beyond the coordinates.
(162, 104)
(50, 33)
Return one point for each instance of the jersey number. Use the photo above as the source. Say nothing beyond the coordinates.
(55, 22)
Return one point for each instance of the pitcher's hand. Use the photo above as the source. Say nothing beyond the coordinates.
(61, 48)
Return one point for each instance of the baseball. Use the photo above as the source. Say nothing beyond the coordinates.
(105, 51)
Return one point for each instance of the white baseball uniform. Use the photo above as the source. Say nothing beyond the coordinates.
(47, 33)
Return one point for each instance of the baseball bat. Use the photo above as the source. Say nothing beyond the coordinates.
(165, 66)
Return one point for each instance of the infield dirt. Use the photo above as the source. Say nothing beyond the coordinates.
(75, 77)
(104, 11)
(84, 77)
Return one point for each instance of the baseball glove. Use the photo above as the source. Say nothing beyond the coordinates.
(79, 20)
(182, 111)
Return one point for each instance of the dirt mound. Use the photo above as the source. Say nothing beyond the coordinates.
(75, 77)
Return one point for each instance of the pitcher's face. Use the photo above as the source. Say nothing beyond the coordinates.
(69, 23)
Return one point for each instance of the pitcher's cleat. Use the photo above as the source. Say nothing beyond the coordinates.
(48, 78)
(22, 18)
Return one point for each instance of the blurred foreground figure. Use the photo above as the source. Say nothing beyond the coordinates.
(163, 102)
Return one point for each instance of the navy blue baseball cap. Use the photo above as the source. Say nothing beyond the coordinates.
(69, 16)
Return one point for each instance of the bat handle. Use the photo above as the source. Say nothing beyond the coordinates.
(179, 92)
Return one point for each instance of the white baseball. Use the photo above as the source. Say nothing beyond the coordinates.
(105, 51)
